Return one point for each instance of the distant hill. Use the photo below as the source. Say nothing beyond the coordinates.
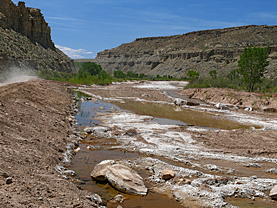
(25, 40)
(202, 51)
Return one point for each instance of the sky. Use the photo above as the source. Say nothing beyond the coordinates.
(83, 28)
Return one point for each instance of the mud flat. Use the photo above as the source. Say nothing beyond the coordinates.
(213, 165)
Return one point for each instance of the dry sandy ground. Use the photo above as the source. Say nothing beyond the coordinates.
(34, 131)
(257, 101)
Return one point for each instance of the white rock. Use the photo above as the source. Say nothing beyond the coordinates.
(125, 179)
(248, 109)
(221, 106)
(78, 149)
(178, 101)
(273, 192)
(99, 171)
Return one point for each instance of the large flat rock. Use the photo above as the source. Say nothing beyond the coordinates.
(125, 179)
(99, 171)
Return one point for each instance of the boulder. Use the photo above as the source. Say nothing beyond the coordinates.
(99, 171)
(167, 174)
(248, 109)
(221, 106)
(125, 180)
(178, 101)
(273, 193)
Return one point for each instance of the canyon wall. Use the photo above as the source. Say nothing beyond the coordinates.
(201, 51)
(25, 40)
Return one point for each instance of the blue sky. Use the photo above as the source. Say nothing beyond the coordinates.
(83, 28)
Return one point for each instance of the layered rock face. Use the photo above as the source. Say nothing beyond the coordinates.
(25, 39)
(201, 51)
(27, 21)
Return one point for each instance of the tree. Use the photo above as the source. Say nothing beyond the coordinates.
(103, 75)
(91, 68)
(252, 65)
(193, 75)
(213, 74)
(82, 73)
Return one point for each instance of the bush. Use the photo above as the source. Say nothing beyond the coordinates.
(132, 74)
(192, 75)
(119, 74)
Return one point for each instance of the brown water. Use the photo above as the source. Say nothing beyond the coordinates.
(191, 117)
(85, 161)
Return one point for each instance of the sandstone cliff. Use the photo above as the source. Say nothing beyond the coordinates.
(201, 51)
(25, 40)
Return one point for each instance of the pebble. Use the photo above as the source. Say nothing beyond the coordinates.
(95, 198)
(9, 180)
(78, 149)
(167, 174)
(119, 198)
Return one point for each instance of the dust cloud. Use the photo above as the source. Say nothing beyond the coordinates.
(16, 76)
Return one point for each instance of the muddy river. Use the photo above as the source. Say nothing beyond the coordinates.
(163, 139)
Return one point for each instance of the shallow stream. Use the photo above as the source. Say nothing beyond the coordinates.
(84, 161)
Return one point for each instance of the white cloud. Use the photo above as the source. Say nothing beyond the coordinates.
(74, 53)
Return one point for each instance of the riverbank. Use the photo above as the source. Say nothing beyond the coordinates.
(34, 132)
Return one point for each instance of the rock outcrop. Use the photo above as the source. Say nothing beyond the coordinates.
(25, 40)
(201, 51)
(27, 21)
